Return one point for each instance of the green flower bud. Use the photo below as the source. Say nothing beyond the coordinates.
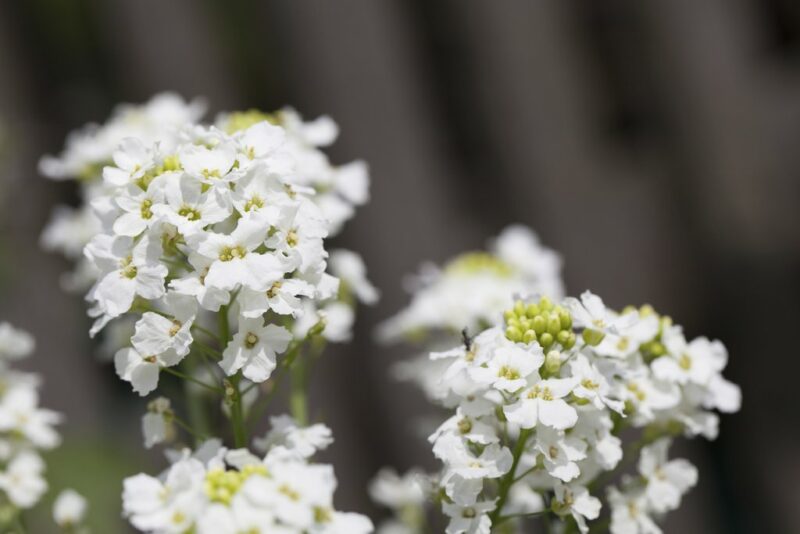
(593, 337)
(553, 325)
(545, 304)
(552, 362)
(513, 333)
(565, 318)
(570, 341)
(532, 310)
(546, 339)
(563, 336)
(539, 324)
(529, 336)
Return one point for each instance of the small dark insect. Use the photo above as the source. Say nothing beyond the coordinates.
(466, 339)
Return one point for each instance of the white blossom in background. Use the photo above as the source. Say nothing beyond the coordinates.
(69, 510)
(220, 491)
(470, 291)
(26, 429)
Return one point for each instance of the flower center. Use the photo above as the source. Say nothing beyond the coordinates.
(273, 290)
(229, 253)
(292, 239)
(589, 384)
(145, 209)
(250, 340)
(509, 373)
(176, 326)
(289, 492)
(128, 268)
(255, 202)
(191, 214)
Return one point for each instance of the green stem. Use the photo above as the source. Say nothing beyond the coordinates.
(508, 480)
(235, 396)
(297, 400)
(237, 413)
(264, 402)
(194, 405)
(205, 331)
(198, 436)
(521, 516)
(192, 379)
(224, 327)
(207, 350)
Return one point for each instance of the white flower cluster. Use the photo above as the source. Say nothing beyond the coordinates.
(163, 121)
(204, 248)
(204, 219)
(222, 491)
(540, 402)
(473, 288)
(26, 429)
(470, 292)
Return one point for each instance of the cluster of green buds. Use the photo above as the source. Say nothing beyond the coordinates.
(472, 263)
(242, 120)
(221, 485)
(542, 322)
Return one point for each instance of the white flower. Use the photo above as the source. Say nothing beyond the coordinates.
(22, 479)
(189, 208)
(157, 424)
(590, 313)
(234, 261)
(696, 362)
(168, 506)
(560, 453)
(350, 269)
(591, 384)
(211, 164)
(253, 349)
(632, 331)
(130, 162)
(510, 366)
(630, 513)
(396, 492)
(137, 207)
(194, 284)
(155, 334)
(283, 297)
(667, 481)
(20, 413)
(15, 343)
(295, 441)
(69, 508)
(130, 269)
(575, 500)
(544, 403)
(141, 368)
(464, 468)
(472, 519)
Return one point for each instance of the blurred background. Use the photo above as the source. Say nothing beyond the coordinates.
(654, 144)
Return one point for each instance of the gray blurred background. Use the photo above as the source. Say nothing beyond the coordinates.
(654, 144)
